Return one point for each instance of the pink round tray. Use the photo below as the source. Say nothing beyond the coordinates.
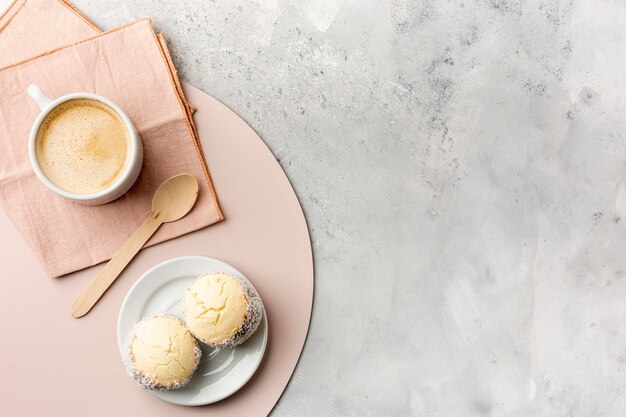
(54, 365)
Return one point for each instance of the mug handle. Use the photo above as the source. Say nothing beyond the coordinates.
(39, 96)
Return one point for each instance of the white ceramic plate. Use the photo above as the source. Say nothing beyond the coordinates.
(221, 372)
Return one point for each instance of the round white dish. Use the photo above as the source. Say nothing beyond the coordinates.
(221, 372)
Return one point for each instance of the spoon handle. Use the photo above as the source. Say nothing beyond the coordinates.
(90, 295)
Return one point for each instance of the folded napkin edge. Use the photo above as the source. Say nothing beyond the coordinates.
(9, 7)
(53, 51)
(160, 40)
(77, 12)
(64, 3)
(59, 271)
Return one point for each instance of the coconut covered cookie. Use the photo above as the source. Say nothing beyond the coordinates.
(161, 353)
(222, 310)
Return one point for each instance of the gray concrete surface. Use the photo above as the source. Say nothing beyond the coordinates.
(462, 166)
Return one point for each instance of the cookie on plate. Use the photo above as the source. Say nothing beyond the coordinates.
(222, 310)
(161, 353)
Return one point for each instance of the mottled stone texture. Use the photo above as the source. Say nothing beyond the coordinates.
(462, 166)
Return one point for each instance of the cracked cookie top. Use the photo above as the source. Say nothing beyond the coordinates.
(215, 307)
(163, 354)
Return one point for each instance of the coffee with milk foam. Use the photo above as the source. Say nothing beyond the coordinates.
(82, 146)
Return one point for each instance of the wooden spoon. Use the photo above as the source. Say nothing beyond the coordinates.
(171, 201)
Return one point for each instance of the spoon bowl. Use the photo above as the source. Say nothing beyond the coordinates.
(175, 198)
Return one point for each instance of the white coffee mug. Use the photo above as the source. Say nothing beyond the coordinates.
(134, 157)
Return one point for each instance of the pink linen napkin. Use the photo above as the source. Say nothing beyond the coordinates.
(129, 65)
(58, 24)
(23, 34)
